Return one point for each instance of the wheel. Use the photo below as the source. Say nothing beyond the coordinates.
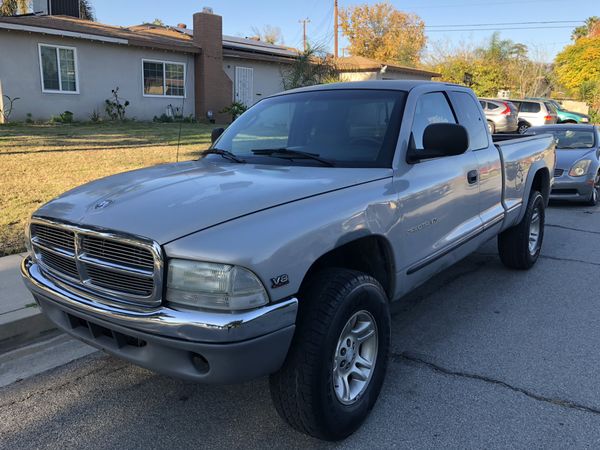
(491, 127)
(523, 127)
(520, 246)
(333, 373)
(593, 201)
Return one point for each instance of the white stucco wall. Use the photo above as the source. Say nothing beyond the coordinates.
(388, 75)
(101, 67)
(267, 75)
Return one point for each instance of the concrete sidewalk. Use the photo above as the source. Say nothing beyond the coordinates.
(20, 318)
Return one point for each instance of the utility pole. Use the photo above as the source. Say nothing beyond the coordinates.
(304, 22)
(335, 28)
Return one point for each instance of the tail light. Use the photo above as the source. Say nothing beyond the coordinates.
(507, 110)
(548, 118)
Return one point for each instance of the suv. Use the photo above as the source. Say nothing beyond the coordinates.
(565, 116)
(501, 115)
(533, 113)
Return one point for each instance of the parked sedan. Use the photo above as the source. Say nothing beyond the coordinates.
(577, 173)
(501, 115)
(535, 113)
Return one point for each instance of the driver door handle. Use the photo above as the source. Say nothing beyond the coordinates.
(472, 176)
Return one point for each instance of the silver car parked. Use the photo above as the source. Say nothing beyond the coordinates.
(534, 113)
(501, 115)
(577, 172)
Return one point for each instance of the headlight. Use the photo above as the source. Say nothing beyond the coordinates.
(580, 168)
(214, 286)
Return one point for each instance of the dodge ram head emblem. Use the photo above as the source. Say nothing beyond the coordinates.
(280, 280)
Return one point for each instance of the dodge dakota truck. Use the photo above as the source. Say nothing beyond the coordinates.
(279, 250)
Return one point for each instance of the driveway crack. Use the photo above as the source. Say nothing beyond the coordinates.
(556, 258)
(571, 228)
(409, 356)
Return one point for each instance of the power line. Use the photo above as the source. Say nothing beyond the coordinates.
(504, 23)
(498, 29)
(458, 5)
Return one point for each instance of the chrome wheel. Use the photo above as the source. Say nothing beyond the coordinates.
(534, 231)
(355, 357)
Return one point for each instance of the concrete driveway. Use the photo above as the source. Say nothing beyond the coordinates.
(483, 357)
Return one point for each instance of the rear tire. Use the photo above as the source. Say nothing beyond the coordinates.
(520, 246)
(306, 391)
(522, 128)
(491, 127)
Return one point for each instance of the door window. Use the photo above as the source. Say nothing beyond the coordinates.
(470, 118)
(529, 107)
(431, 108)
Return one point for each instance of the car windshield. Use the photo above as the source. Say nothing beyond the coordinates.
(569, 139)
(342, 127)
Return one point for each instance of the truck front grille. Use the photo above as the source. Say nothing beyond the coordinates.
(110, 266)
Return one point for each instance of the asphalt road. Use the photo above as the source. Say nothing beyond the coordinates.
(483, 357)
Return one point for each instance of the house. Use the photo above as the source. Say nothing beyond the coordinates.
(59, 63)
(360, 68)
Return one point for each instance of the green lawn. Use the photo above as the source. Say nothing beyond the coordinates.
(39, 162)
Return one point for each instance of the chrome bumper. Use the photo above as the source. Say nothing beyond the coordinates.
(199, 326)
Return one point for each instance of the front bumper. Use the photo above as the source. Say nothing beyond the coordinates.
(571, 188)
(210, 347)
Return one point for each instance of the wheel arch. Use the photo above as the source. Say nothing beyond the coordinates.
(538, 181)
(370, 254)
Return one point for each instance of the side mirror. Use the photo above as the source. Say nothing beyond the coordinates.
(441, 139)
(214, 135)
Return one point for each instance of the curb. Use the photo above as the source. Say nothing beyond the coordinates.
(24, 326)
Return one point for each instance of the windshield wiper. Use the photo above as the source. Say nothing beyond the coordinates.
(287, 153)
(224, 153)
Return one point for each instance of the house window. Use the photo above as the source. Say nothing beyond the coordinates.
(58, 67)
(163, 79)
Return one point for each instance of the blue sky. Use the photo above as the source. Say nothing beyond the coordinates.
(239, 16)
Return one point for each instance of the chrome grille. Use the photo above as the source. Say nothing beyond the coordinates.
(113, 267)
(558, 172)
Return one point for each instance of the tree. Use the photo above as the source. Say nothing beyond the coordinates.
(86, 10)
(269, 34)
(383, 33)
(158, 22)
(589, 29)
(13, 7)
(577, 68)
(313, 66)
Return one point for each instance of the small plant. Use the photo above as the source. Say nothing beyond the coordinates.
(236, 109)
(115, 106)
(29, 118)
(6, 112)
(163, 118)
(66, 117)
(95, 116)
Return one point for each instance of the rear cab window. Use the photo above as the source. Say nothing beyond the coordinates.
(470, 117)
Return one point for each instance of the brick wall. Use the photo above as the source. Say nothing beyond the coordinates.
(213, 87)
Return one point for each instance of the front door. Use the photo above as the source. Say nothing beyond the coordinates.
(438, 199)
(244, 85)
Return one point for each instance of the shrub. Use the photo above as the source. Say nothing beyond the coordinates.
(236, 109)
(29, 118)
(95, 116)
(115, 106)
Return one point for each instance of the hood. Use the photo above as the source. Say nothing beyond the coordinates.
(567, 157)
(169, 201)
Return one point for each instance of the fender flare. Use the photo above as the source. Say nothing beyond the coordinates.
(533, 171)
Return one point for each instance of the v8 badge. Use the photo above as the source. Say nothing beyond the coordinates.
(280, 280)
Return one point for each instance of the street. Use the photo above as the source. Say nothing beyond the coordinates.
(482, 357)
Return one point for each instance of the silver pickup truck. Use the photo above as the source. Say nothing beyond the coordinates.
(279, 251)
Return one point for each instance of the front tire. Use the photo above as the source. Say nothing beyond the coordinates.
(519, 246)
(334, 371)
(522, 128)
(593, 201)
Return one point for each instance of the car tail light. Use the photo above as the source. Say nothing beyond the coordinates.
(548, 118)
(507, 110)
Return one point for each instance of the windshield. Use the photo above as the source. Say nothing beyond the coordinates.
(556, 105)
(347, 128)
(569, 139)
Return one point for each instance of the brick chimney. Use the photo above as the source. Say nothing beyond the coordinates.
(214, 89)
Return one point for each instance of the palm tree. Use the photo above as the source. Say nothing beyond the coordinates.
(313, 66)
(13, 7)
(86, 10)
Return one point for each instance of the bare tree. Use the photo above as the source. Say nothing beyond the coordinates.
(269, 34)
(14, 7)
(86, 10)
